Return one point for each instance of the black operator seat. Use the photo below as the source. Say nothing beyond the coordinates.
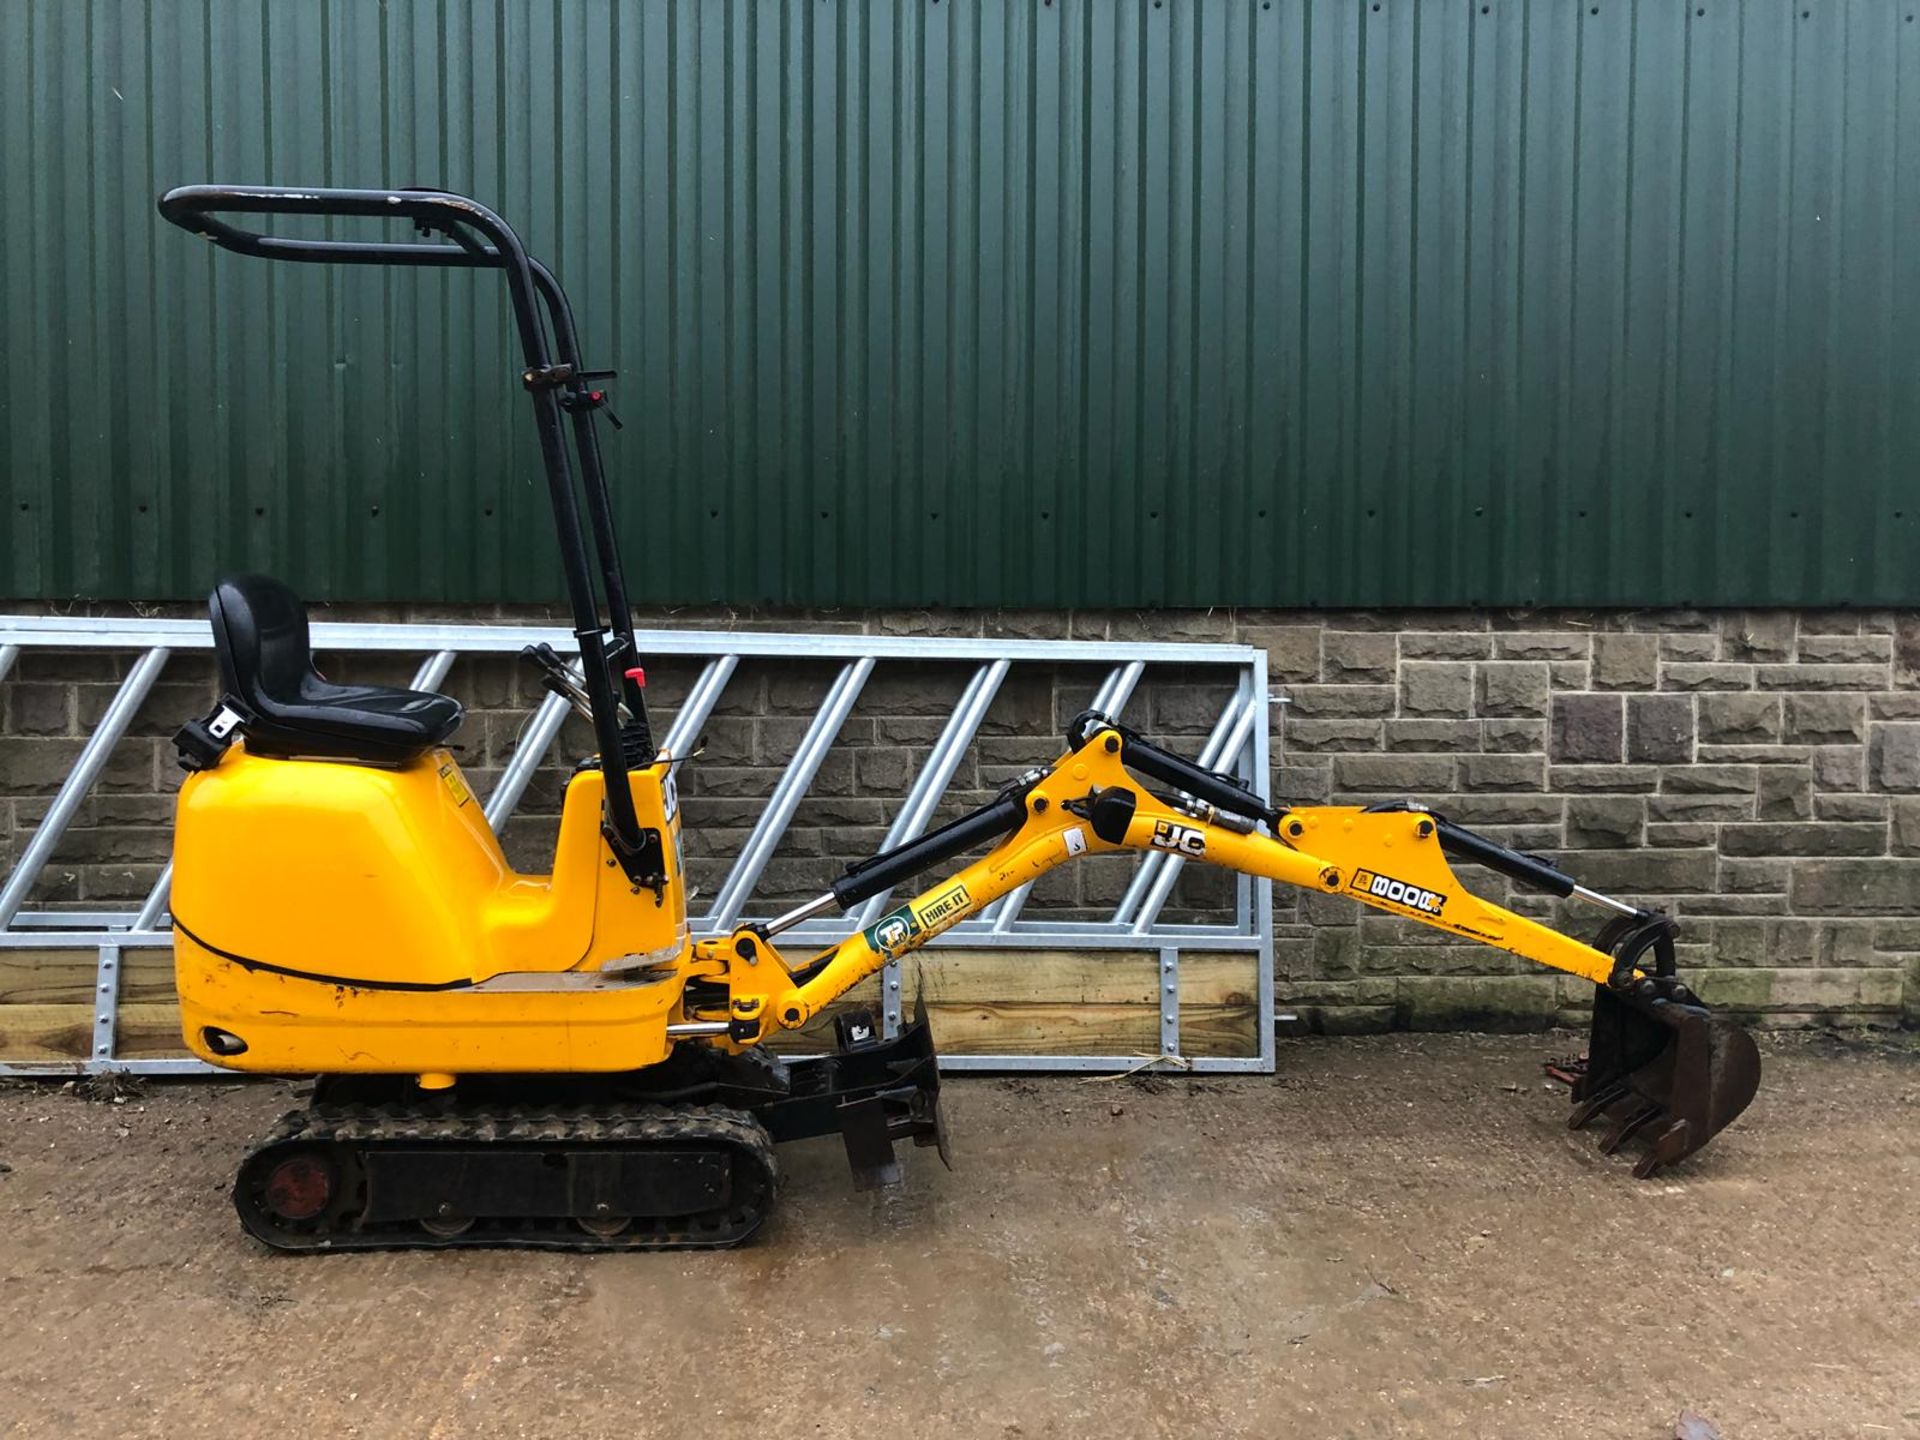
(288, 710)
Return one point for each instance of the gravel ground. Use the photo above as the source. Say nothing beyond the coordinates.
(1391, 1236)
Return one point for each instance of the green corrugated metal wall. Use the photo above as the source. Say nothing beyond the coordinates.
(1027, 302)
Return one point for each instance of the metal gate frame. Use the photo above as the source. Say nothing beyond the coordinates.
(1240, 742)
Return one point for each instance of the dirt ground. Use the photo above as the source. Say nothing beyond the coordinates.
(1392, 1236)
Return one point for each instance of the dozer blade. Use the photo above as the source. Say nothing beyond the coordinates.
(1667, 1070)
(873, 1092)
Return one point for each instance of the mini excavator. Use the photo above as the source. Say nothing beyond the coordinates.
(554, 1060)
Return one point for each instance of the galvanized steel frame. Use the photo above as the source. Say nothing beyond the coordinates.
(1240, 742)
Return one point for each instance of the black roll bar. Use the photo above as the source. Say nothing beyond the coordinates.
(482, 240)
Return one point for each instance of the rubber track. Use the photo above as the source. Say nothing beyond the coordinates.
(356, 1129)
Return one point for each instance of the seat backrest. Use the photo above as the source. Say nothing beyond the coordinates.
(287, 708)
(260, 634)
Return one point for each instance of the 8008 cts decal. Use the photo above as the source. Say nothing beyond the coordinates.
(1385, 887)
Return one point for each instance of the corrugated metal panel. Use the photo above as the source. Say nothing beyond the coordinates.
(990, 301)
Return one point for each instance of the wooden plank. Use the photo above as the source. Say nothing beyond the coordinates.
(1049, 1002)
(1046, 1029)
(37, 1033)
(1043, 977)
(1064, 1002)
(1083, 1002)
(66, 977)
(1076, 977)
(150, 1032)
(1220, 1005)
(1228, 1031)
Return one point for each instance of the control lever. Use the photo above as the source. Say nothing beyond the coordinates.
(580, 398)
(559, 678)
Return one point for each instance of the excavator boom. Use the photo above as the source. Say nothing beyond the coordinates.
(1660, 1064)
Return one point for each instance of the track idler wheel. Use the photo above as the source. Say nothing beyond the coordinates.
(300, 1187)
(1660, 1065)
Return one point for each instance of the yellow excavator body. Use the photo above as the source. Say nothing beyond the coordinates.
(338, 918)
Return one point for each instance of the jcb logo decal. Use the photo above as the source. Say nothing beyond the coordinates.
(1385, 887)
(1181, 839)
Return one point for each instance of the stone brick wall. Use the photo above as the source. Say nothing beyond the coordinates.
(1757, 773)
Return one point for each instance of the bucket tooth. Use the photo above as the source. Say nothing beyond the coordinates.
(1673, 1143)
(1587, 1109)
(1628, 1122)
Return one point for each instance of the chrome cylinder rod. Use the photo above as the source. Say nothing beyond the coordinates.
(1594, 897)
(800, 914)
